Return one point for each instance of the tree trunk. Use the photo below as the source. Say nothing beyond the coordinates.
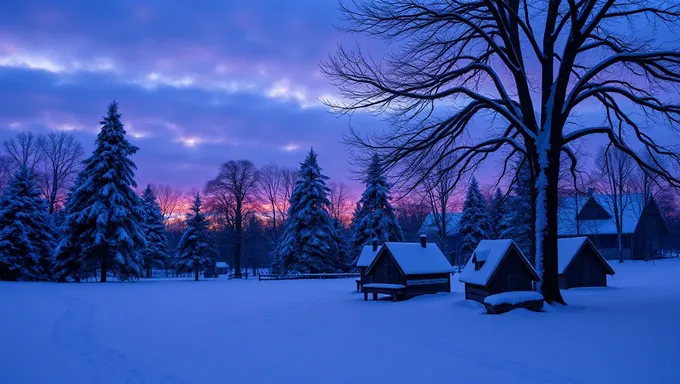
(195, 273)
(148, 271)
(104, 270)
(546, 232)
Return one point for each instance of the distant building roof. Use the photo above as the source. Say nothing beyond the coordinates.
(452, 220)
(413, 259)
(492, 253)
(367, 255)
(570, 208)
(221, 264)
(569, 247)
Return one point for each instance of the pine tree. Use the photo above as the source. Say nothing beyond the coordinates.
(374, 217)
(310, 241)
(496, 213)
(517, 222)
(156, 251)
(27, 232)
(104, 224)
(195, 251)
(474, 222)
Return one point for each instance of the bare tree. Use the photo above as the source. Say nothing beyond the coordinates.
(7, 168)
(61, 156)
(233, 191)
(616, 170)
(438, 187)
(169, 199)
(25, 149)
(288, 179)
(269, 187)
(522, 70)
(341, 198)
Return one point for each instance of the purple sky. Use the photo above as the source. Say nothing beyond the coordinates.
(197, 84)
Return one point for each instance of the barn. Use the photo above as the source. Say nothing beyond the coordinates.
(365, 259)
(497, 266)
(408, 269)
(580, 264)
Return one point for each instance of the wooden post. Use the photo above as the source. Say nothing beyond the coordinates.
(394, 296)
(375, 296)
(365, 296)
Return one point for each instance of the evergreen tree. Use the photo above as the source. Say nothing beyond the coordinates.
(374, 217)
(195, 251)
(104, 223)
(517, 222)
(27, 232)
(474, 222)
(156, 251)
(310, 241)
(496, 213)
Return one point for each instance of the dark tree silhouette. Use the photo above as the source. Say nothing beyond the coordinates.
(522, 70)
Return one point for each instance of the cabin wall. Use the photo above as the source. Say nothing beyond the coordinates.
(379, 272)
(413, 288)
(608, 245)
(650, 233)
(364, 279)
(476, 292)
(584, 271)
(511, 275)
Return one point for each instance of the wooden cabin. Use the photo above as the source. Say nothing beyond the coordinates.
(365, 259)
(221, 268)
(497, 266)
(408, 269)
(580, 264)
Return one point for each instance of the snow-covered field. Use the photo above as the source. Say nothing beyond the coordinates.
(227, 331)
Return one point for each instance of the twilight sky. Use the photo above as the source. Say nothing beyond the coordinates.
(198, 83)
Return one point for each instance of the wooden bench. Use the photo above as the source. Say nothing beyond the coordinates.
(394, 290)
(358, 285)
(507, 301)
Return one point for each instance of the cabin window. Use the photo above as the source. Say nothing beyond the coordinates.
(388, 270)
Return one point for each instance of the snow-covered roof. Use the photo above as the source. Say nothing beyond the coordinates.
(569, 247)
(492, 252)
(367, 255)
(221, 264)
(569, 208)
(452, 219)
(413, 259)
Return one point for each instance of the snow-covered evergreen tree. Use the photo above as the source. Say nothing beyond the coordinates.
(310, 241)
(195, 251)
(517, 222)
(26, 231)
(496, 213)
(104, 224)
(474, 222)
(375, 218)
(156, 251)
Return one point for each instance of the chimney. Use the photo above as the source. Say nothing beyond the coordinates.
(423, 241)
(374, 242)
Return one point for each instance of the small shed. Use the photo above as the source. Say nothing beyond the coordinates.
(497, 266)
(221, 268)
(365, 259)
(415, 268)
(580, 264)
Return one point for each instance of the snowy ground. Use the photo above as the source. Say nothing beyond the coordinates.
(227, 331)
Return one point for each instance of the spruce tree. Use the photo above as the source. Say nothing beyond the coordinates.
(104, 224)
(310, 243)
(195, 251)
(474, 222)
(27, 232)
(517, 222)
(496, 213)
(156, 251)
(374, 217)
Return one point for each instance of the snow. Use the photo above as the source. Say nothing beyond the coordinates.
(492, 253)
(311, 331)
(452, 219)
(413, 259)
(388, 286)
(367, 255)
(221, 264)
(512, 297)
(566, 251)
(568, 207)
